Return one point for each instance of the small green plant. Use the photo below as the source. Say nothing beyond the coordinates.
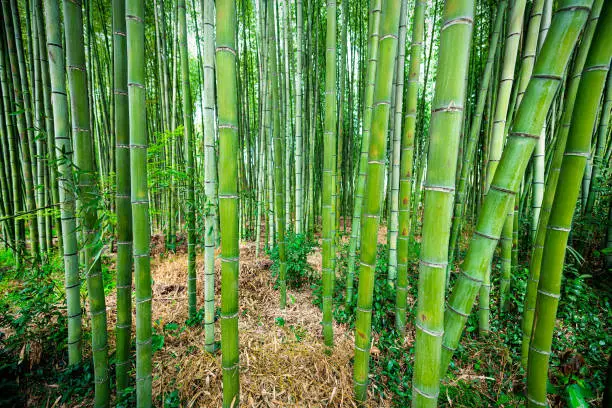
(299, 271)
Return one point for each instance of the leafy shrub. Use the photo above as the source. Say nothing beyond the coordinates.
(299, 271)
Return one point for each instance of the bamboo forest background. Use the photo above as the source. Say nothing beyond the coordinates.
(305, 203)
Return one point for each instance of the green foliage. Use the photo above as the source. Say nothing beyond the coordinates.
(383, 305)
(33, 336)
(299, 271)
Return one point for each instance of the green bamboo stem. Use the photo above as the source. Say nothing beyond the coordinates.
(328, 198)
(598, 156)
(474, 134)
(444, 135)
(11, 133)
(373, 28)
(506, 259)
(189, 161)
(407, 156)
(51, 175)
(134, 17)
(228, 196)
(278, 140)
(88, 194)
(566, 195)
(498, 137)
(381, 109)
(540, 150)
(565, 29)
(40, 148)
(283, 21)
(67, 190)
(553, 177)
(21, 95)
(208, 10)
(299, 184)
(122, 198)
(396, 140)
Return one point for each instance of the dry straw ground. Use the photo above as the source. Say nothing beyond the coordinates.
(280, 365)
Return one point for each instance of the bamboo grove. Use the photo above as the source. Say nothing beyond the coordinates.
(467, 137)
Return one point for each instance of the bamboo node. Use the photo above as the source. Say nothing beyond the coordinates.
(538, 403)
(555, 228)
(451, 107)
(133, 17)
(552, 77)
(457, 20)
(487, 236)
(424, 394)
(469, 277)
(579, 154)
(438, 265)
(552, 295)
(441, 189)
(574, 8)
(452, 309)
(225, 48)
(232, 316)
(434, 333)
(501, 189)
(232, 367)
(136, 85)
(539, 351)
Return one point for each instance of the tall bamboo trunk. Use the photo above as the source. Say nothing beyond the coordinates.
(498, 137)
(88, 195)
(562, 37)
(122, 198)
(134, 17)
(373, 28)
(407, 157)
(553, 177)
(228, 197)
(373, 199)
(208, 9)
(572, 168)
(67, 197)
(328, 198)
(444, 135)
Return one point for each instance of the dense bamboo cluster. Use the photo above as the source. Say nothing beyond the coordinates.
(437, 130)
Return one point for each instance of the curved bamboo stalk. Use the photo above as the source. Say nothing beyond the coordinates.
(553, 177)
(548, 73)
(474, 134)
(559, 225)
(598, 157)
(498, 137)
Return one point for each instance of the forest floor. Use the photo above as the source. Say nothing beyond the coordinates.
(283, 362)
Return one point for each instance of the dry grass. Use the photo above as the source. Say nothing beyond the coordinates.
(281, 365)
